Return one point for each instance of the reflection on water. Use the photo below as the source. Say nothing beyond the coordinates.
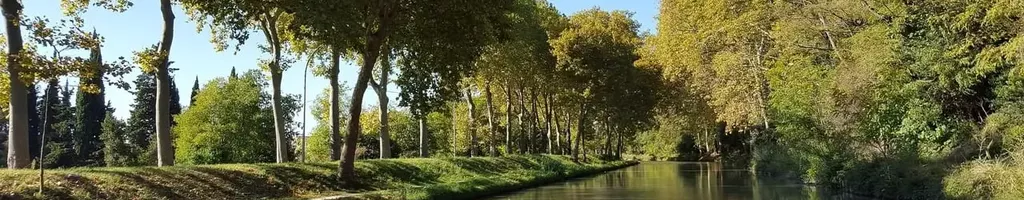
(671, 180)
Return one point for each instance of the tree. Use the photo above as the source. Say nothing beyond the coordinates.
(321, 145)
(229, 123)
(140, 128)
(522, 60)
(380, 86)
(429, 77)
(156, 60)
(18, 155)
(35, 122)
(58, 126)
(116, 150)
(25, 65)
(233, 20)
(195, 91)
(592, 52)
(471, 126)
(728, 65)
(405, 27)
(90, 111)
(323, 38)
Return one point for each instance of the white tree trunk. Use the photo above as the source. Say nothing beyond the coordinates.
(490, 120)
(472, 122)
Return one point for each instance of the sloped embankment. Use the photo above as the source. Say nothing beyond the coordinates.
(448, 178)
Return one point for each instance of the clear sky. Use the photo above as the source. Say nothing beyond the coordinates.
(142, 25)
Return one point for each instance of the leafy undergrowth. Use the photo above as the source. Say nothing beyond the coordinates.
(414, 178)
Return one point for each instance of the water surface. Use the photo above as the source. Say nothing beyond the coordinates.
(671, 180)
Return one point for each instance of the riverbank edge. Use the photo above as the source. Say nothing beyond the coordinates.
(490, 186)
(452, 176)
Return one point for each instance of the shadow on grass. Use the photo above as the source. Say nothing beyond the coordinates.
(448, 176)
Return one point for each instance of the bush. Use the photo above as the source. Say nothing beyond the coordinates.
(894, 178)
(230, 122)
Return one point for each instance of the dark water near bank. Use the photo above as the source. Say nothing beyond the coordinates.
(672, 180)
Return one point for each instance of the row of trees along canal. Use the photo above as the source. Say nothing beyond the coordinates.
(877, 96)
(477, 78)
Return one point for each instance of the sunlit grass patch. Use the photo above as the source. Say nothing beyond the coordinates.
(412, 178)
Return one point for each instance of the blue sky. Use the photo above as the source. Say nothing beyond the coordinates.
(141, 26)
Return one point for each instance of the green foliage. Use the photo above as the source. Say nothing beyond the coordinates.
(318, 147)
(116, 150)
(59, 130)
(880, 97)
(403, 128)
(90, 111)
(230, 123)
(35, 121)
(439, 45)
(140, 127)
(596, 60)
(596, 45)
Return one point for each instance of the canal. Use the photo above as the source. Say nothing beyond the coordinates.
(671, 180)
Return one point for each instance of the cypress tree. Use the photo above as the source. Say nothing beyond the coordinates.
(142, 120)
(90, 111)
(34, 122)
(195, 91)
(141, 124)
(175, 106)
(67, 129)
(57, 134)
(116, 152)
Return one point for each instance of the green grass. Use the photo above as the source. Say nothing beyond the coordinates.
(447, 178)
(986, 179)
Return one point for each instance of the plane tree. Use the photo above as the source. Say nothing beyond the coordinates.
(230, 23)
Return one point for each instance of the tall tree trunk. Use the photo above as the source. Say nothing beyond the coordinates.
(568, 132)
(558, 132)
(618, 147)
(455, 128)
(165, 152)
(424, 143)
(381, 88)
(302, 144)
(472, 122)
(385, 128)
(279, 132)
(508, 119)
(490, 120)
(335, 110)
(534, 121)
(580, 131)
(608, 132)
(524, 141)
(547, 122)
(370, 54)
(270, 30)
(17, 138)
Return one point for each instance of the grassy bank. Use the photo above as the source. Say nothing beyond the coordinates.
(450, 178)
(986, 179)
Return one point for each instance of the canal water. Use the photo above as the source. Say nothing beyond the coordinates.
(671, 180)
